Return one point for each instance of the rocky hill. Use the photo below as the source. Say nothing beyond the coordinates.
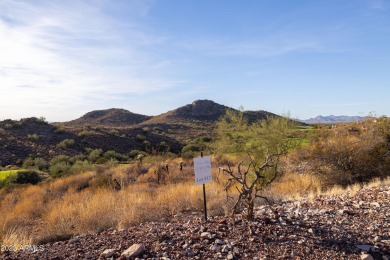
(347, 226)
(114, 117)
(196, 119)
(112, 129)
(36, 138)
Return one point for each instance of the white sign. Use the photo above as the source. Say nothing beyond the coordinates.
(202, 167)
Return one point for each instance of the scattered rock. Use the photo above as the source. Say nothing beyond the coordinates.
(205, 235)
(107, 253)
(365, 248)
(366, 257)
(324, 227)
(134, 250)
(219, 242)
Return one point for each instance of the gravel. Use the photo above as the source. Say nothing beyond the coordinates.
(347, 226)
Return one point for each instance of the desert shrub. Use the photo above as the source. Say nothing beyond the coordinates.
(347, 154)
(87, 127)
(101, 180)
(33, 137)
(59, 131)
(94, 155)
(66, 143)
(134, 153)
(147, 144)
(81, 166)
(163, 147)
(113, 132)
(140, 138)
(84, 133)
(59, 169)
(60, 158)
(78, 157)
(102, 160)
(23, 177)
(36, 163)
(8, 126)
(259, 145)
(114, 155)
(205, 139)
(194, 146)
(157, 129)
(190, 148)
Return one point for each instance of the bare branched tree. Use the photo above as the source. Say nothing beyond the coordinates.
(261, 145)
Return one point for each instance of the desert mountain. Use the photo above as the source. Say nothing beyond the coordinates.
(112, 129)
(333, 119)
(195, 120)
(202, 111)
(110, 117)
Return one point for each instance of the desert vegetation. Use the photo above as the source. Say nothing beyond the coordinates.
(89, 202)
(254, 162)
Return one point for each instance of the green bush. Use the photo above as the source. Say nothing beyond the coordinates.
(33, 137)
(114, 155)
(23, 177)
(59, 169)
(36, 163)
(134, 153)
(59, 131)
(157, 129)
(65, 144)
(190, 148)
(59, 159)
(140, 138)
(81, 166)
(94, 155)
(79, 157)
(163, 147)
(348, 154)
(259, 146)
(84, 133)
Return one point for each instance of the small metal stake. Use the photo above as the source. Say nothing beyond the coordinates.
(204, 196)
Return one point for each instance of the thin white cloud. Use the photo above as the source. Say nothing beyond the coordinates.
(57, 52)
(273, 45)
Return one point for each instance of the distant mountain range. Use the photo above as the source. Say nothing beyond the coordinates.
(333, 119)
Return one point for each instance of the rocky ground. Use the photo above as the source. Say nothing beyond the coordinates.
(326, 227)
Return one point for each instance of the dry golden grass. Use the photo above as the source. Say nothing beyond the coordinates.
(294, 186)
(88, 202)
(351, 190)
(15, 237)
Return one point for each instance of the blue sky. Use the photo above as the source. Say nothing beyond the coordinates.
(61, 59)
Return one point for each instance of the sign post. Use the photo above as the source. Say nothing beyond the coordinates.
(202, 168)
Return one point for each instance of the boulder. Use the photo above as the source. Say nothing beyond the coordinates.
(366, 257)
(107, 253)
(134, 250)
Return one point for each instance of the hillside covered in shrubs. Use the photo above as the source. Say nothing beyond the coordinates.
(67, 189)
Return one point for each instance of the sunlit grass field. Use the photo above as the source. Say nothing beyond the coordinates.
(5, 174)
